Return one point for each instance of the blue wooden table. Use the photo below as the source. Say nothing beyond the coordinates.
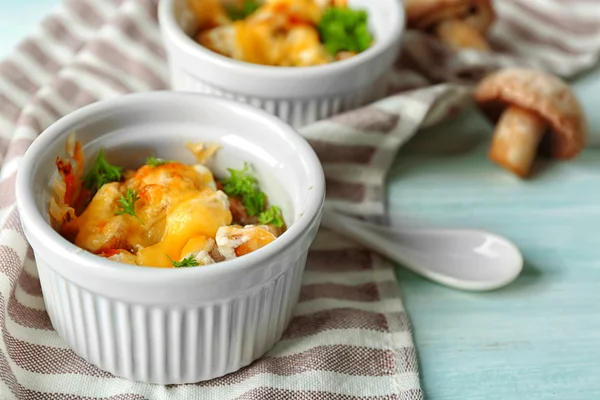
(539, 338)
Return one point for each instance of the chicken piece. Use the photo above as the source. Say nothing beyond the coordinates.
(204, 250)
(221, 39)
(100, 228)
(119, 255)
(302, 47)
(235, 241)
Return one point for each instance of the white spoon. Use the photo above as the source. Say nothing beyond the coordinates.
(459, 258)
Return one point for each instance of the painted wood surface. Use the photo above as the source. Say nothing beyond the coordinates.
(536, 339)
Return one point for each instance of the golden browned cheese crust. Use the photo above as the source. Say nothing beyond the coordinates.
(280, 32)
(424, 14)
(544, 94)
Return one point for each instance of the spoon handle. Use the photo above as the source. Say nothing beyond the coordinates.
(362, 232)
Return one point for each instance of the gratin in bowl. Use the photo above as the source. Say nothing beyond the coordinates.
(182, 325)
(297, 95)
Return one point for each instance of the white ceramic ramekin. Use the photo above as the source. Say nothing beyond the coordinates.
(298, 95)
(182, 325)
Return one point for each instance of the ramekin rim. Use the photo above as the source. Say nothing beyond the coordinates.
(187, 44)
(54, 242)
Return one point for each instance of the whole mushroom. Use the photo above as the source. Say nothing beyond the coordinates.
(529, 106)
(458, 23)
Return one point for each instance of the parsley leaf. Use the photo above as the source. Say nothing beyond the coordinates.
(344, 29)
(155, 162)
(247, 8)
(271, 216)
(241, 183)
(101, 173)
(189, 261)
(127, 204)
(255, 203)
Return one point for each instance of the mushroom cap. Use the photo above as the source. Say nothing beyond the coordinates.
(424, 14)
(544, 94)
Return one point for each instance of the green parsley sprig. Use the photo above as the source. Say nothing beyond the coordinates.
(189, 261)
(243, 184)
(247, 8)
(344, 29)
(271, 216)
(155, 162)
(102, 172)
(127, 204)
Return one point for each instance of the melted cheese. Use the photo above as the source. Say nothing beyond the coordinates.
(99, 229)
(198, 215)
(283, 33)
(178, 208)
(279, 33)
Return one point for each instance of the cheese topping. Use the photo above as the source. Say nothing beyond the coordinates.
(164, 214)
(278, 33)
(178, 210)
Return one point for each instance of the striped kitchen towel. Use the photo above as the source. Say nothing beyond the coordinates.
(350, 337)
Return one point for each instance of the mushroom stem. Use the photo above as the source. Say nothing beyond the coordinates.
(459, 35)
(516, 140)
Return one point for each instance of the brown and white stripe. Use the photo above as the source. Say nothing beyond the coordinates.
(350, 336)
